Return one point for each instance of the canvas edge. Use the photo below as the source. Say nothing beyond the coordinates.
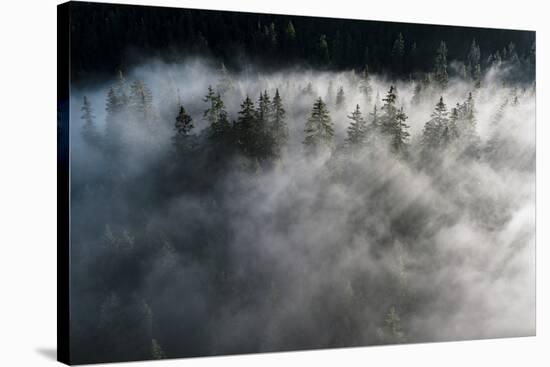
(63, 184)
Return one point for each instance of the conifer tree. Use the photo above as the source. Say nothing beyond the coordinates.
(141, 100)
(279, 127)
(400, 132)
(264, 109)
(121, 91)
(246, 128)
(357, 129)
(319, 127)
(393, 125)
(156, 350)
(440, 66)
(374, 128)
(225, 84)
(473, 67)
(182, 127)
(216, 116)
(392, 331)
(324, 57)
(290, 32)
(435, 127)
(89, 131)
(340, 97)
(390, 112)
(365, 86)
(453, 127)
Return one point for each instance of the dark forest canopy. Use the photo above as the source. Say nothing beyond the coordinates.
(108, 37)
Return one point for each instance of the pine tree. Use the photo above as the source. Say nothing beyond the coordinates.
(117, 109)
(319, 127)
(141, 100)
(89, 131)
(121, 91)
(453, 127)
(182, 127)
(290, 32)
(374, 127)
(156, 350)
(473, 67)
(365, 85)
(246, 128)
(264, 109)
(324, 57)
(279, 127)
(393, 125)
(440, 66)
(340, 97)
(225, 84)
(400, 132)
(357, 129)
(435, 127)
(392, 331)
(216, 116)
(390, 112)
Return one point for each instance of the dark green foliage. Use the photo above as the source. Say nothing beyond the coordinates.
(393, 125)
(278, 123)
(357, 130)
(247, 129)
(216, 117)
(182, 127)
(319, 128)
(436, 127)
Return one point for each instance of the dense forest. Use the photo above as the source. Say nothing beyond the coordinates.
(330, 199)
(109, 37)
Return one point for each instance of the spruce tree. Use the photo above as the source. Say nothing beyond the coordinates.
(89, 131)
(290, 32)
(182, 127)
(279, 127)
(324, 57)
(393, 125)
(435, 127)
(225, 83)
(400, 132)
(246, 128)
(473, 66)
(365, 86)
(141, 100)
(390, 112)
(319, 127)
(340, 97)
(216, 117)
(453, 127)
(357, 129)
(264, 109)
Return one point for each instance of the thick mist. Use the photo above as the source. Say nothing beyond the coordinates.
(205, 252)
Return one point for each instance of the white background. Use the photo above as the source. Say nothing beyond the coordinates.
(28, 182)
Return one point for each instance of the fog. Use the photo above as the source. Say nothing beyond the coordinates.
(173, 255)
